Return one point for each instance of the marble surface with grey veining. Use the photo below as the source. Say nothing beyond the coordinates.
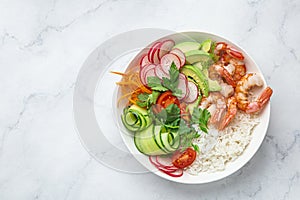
(42, 47)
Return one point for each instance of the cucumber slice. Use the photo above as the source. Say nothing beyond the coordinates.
(132, 128)
(145, 142)
(152, 141)
(130, 118)
(170, 140)
(135, 118)
(156, 136)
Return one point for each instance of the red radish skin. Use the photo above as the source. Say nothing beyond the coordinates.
(160, 73)
(193, 93)
(144, 61)
(180, 55)
(183, 86)
(152, 51)
(165, 48)
(163, 165)
(149, 73)
(167, 60)
(143, 72)
(167, 169)
(155, 55)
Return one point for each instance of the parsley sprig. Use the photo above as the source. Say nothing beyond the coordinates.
(201, 118)
(146, 100)
(167, 83)
(170, 119)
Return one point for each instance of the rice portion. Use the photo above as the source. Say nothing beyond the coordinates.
(217, 148)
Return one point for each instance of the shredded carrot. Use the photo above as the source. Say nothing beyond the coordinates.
(118, 73)
(131, 86)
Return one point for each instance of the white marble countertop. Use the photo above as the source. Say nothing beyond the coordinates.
(42, 47)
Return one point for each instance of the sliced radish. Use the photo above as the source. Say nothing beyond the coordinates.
(167, 60)
(193, 92)
(180, 55)
(182, 85)
(152, 51)
(160, 72)
(165, 47)
(169, 170)
(143, 72)
(156, 59)
(165, 163)
(144, 61)
(149, 73)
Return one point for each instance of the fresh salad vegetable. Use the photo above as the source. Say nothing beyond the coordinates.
(163, 97)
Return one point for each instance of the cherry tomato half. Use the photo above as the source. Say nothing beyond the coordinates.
(185, 159)
(166, 99)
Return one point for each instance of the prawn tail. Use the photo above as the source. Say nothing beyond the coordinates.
(261, 101)
(265, 96)
(227, 76)
(231, 112)
(217, 116)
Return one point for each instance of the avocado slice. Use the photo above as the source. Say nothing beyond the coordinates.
(195, 56)
(199, 65)
(187, 46)
(213, 85)
(205, 45)
(198, 76)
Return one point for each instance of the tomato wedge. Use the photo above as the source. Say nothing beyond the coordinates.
(166, 99)
(185, 159)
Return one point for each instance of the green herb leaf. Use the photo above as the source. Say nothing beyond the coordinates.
(143, 97)
(201, 118)
(155, 84)
(173, 113)
(196, 148)
(174, 73)
(187, 139)
(141, 104)
(168, 117)
(172, 82)
(212, 52)
(154, 96)
(183, 128)
(146, 100)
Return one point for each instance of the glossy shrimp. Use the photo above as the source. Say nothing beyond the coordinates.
(216, 105)
(242, 95)
(232, 60)
(230, 114)
(218, 70)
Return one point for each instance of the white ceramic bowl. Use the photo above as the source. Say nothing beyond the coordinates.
(257, 135)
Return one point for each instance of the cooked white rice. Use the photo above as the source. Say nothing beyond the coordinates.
(217, 148)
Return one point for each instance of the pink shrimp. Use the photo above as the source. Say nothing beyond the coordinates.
(220, 70)
(230, 56)
(216, 105)
(242, 89)
(230, 114)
